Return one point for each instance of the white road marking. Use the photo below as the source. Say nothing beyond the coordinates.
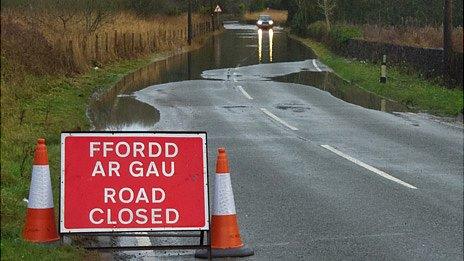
(270, 114)
(244, 92)
(315, 65)
(235, 80)
(368, 167)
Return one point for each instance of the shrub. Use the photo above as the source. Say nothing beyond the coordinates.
(27, 49)
(318, 30)
(340, 34)
(298, 23)
(242, 8)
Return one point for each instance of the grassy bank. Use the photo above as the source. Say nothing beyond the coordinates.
(43, 106)
(409, 89)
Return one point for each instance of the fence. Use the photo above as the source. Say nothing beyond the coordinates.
(77, 53)
(429, 61)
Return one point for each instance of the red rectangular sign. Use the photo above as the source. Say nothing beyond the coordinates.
(133, 182)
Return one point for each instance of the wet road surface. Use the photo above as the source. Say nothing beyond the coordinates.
(314, 176)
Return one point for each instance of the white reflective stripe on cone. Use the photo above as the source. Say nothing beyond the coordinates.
(223, 201)
(40, 193)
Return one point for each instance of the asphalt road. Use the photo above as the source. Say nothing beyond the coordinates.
(315, 177)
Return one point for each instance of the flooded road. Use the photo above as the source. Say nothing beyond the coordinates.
(242, 50)
(239, 46)
(318, 169)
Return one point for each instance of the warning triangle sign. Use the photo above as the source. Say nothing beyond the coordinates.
(218, 9)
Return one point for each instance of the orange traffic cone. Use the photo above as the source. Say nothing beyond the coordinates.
(40, 224)
(225, 233)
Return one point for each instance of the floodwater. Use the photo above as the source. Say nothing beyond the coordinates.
(252, 54)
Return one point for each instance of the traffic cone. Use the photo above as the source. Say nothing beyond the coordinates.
(225, 233)
(40, 224)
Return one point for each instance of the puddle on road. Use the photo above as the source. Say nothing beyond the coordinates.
(341, 89)
(262, 72)
(241, 51)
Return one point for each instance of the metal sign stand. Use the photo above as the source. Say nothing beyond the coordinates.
(203, 236)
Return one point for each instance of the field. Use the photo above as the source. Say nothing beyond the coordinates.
(427, 36)
(279, 16)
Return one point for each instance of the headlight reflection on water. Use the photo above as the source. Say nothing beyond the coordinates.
(260, 44)
(271, 36)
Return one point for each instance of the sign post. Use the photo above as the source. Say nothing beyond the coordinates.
(113, 182)
(217, 11)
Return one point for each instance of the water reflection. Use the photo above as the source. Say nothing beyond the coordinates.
(235, 48)
(260, 44)
(339, 88)
(270, 34)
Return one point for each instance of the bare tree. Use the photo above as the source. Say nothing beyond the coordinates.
(65, 12)
(57, 16)
(96, 14)
(327, 7)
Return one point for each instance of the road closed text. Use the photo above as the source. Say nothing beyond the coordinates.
(142, 182)
(128, 215)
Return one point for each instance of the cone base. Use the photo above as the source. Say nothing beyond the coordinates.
(40, 226)
(52, 241)
(226, 252)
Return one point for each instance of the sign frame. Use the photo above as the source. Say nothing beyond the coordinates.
(125, 231)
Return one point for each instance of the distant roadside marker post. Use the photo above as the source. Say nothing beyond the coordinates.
(134, 182)
(383, 70)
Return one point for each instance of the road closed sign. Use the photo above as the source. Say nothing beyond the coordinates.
(133, 182)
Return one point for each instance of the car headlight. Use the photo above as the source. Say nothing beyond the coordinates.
(260, 22)
(271, 22)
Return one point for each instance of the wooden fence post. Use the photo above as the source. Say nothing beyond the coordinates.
(115, 46)
(132, 42)
(106, 43)
(154, 41)
(97, 49)
(124, 43)
(84, 48)
(147, 43)
(70, 53)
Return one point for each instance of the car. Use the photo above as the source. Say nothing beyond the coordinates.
(265, 22)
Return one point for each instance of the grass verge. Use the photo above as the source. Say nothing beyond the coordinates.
(405, 87)
(43, 106)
